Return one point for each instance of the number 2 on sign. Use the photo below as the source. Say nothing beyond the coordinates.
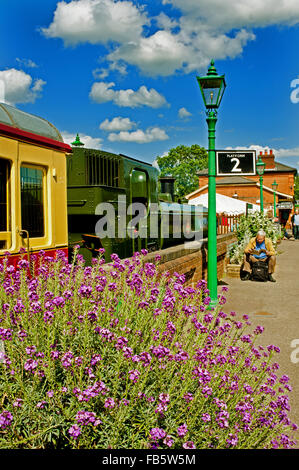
(236, 167)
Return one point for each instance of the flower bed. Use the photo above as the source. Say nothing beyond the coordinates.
(118, 359)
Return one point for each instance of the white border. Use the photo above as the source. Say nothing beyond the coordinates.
(236, 152)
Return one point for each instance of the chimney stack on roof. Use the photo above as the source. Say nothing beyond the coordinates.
(268, 158)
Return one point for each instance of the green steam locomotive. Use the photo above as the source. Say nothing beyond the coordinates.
(119, 204)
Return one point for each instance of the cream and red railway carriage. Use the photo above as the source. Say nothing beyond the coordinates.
(33, 206)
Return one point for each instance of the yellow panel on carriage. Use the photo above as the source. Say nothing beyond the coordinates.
(33, 208)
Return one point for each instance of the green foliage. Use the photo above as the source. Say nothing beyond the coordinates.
(248, 227)
(183, 163)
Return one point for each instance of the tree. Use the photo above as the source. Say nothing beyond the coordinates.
(183, 163)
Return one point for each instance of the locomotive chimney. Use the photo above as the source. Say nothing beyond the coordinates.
(167, 185)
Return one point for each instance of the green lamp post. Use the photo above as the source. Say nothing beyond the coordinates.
(260, 168)
(212, 87)
(274, 187)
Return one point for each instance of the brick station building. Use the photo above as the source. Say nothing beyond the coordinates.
(247, 188)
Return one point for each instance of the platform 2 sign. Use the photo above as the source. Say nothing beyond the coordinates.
(232, 163)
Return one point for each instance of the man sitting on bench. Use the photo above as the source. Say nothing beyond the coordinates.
(259, 248)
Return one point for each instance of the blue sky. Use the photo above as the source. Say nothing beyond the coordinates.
(123, 73)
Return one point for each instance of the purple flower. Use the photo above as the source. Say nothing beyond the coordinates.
(48, 316)
(164, 398)
(259, 330)
(87, 417)
(168, 441)
(85, 291)
(6, 334)
(19, 307)
(208, 318)
(30, 365)
(18, 403)
(232, 441)
(6, 419)
(222, 419)
(182, 430)
(161, 408)
(246, 339)
(40, 405)
(134, 375)
(30, 350)
(188, 397)
(66, 359)
(75, 431)
(206, 417)
(95, 359)
(157, 433)
(59, 301)
(109, 403)
(189, 445)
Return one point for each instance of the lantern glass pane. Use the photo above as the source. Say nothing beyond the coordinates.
(212, 89)
(211, 96)
(260, 168)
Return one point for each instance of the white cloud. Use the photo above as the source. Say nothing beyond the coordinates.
(100, 73)
(27, 63)
(96, 21)
(184, 113)
(164, 22)
(292, 152)
(19, 87)
(206, 29)
(139, 136)
(240, 13)
(101, 92)
(278, 153)
(117, 124)
(159, 54)
(87, 140)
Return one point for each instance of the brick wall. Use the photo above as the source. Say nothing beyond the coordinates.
(193, 262)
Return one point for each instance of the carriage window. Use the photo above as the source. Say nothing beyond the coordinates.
(32, 201)
(4, 203)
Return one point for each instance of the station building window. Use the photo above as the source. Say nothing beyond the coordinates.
(32, 201)
(5, 234)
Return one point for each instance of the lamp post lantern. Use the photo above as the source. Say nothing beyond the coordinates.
(212, 87)
(260, 169)
(274, 187)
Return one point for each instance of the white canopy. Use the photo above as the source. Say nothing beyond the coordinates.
(229, 205)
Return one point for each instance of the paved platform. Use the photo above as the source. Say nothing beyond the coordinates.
(275, 306)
